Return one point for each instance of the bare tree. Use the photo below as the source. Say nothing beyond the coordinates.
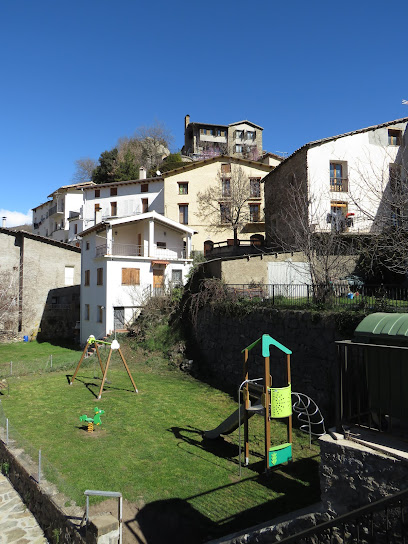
(225, 204)
(330, 254)
(83, 169)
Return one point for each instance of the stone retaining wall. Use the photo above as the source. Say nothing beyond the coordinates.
(310, 336)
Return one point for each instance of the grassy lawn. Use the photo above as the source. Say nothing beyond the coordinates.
(28, 357)
(150, 445)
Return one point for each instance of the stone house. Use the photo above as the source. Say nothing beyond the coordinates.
(32, 266)
(203, 140)
(346, 183)
(124, 262)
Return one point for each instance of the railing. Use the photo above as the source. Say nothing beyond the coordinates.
(58, 208)
(131, 250)
(339, 185)
(372, 387)
(378, 297)
(383, 521)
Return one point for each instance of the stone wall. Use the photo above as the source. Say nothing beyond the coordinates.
(353, 475)
(310, 336)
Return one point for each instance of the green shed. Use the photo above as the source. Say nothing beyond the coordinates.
(374, 374)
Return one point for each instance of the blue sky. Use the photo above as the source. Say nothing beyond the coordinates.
(78, 75)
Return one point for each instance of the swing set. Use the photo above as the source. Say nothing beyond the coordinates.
(113, 347)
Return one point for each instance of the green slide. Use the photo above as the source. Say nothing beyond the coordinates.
(230, 424)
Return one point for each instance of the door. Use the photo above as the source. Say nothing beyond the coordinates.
(158, 281)
(119, 318)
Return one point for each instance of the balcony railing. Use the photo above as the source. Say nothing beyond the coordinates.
(339, 185)
(132, 250)
(58, 208)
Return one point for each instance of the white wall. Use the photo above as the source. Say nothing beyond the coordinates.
(368, 157)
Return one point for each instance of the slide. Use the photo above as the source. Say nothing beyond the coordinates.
(230, 424)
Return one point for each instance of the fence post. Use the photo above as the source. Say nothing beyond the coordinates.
(273, 294)
(51, 360)
(39, 466)
(11, 368)
(308, 293)
(7, 432)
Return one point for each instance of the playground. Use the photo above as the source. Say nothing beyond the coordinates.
(150, 445)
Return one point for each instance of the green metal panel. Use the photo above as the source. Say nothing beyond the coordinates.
(279, 454)
(382, 327)
(281, 401)
(269, 341)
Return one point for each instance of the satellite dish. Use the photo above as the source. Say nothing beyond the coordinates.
(158, 173)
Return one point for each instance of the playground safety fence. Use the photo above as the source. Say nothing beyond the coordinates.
(391, 298)
(34, 459)
(16, 368)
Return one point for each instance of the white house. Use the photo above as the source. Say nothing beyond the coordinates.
(61, 217)
(123, 261)
(346, 182)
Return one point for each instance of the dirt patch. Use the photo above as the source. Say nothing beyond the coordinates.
(131, 532)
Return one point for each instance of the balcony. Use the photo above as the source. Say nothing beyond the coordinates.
(339, 185)
(132, 250)
(58, 208)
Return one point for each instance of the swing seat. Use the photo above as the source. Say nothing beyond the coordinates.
(279, 454)
(281, 401)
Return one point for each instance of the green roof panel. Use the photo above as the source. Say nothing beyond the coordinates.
(383, 326)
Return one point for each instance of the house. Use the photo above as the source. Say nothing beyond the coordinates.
(203, 140)
(124, 261)
(174, 195)
(31, 267)
(61, 217)
(347, 183)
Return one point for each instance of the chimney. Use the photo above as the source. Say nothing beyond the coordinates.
(186, 121)
(98, 214)
(3, 222)
(142, 172)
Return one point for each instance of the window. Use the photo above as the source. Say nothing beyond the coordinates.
(394, 137)
(254, 213)
(114, 209)
(250, 135)
(255, 187)
(183, 188)
(130, 276)
(69, 275)
(86, 312)
(219, 132)
(97, 193)
(145, 205)
(239, 149)
(144, 188)
(99, 312)
(87, 279)
(87, 245)
(226, 187)
(226, 168)
(225, 211)
(239, 134)
(177, 277)
(75, 228)
(161, 245)
(113, 191)
(396, 216)
(338, 177)
(99, 276)
(183, 214)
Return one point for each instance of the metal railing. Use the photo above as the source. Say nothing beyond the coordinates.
(379, 297)
(109, 494)
(383, 521)
(132, 250)
(338, 185)
(58, 208)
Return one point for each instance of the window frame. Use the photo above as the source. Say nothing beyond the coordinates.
(394, 133)
(255, 187)
(133, 276)
(183, 213)
(182, 187)
(254, 212)
(87, 278)
(113, 191)
(99, 276)
(144, 187)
